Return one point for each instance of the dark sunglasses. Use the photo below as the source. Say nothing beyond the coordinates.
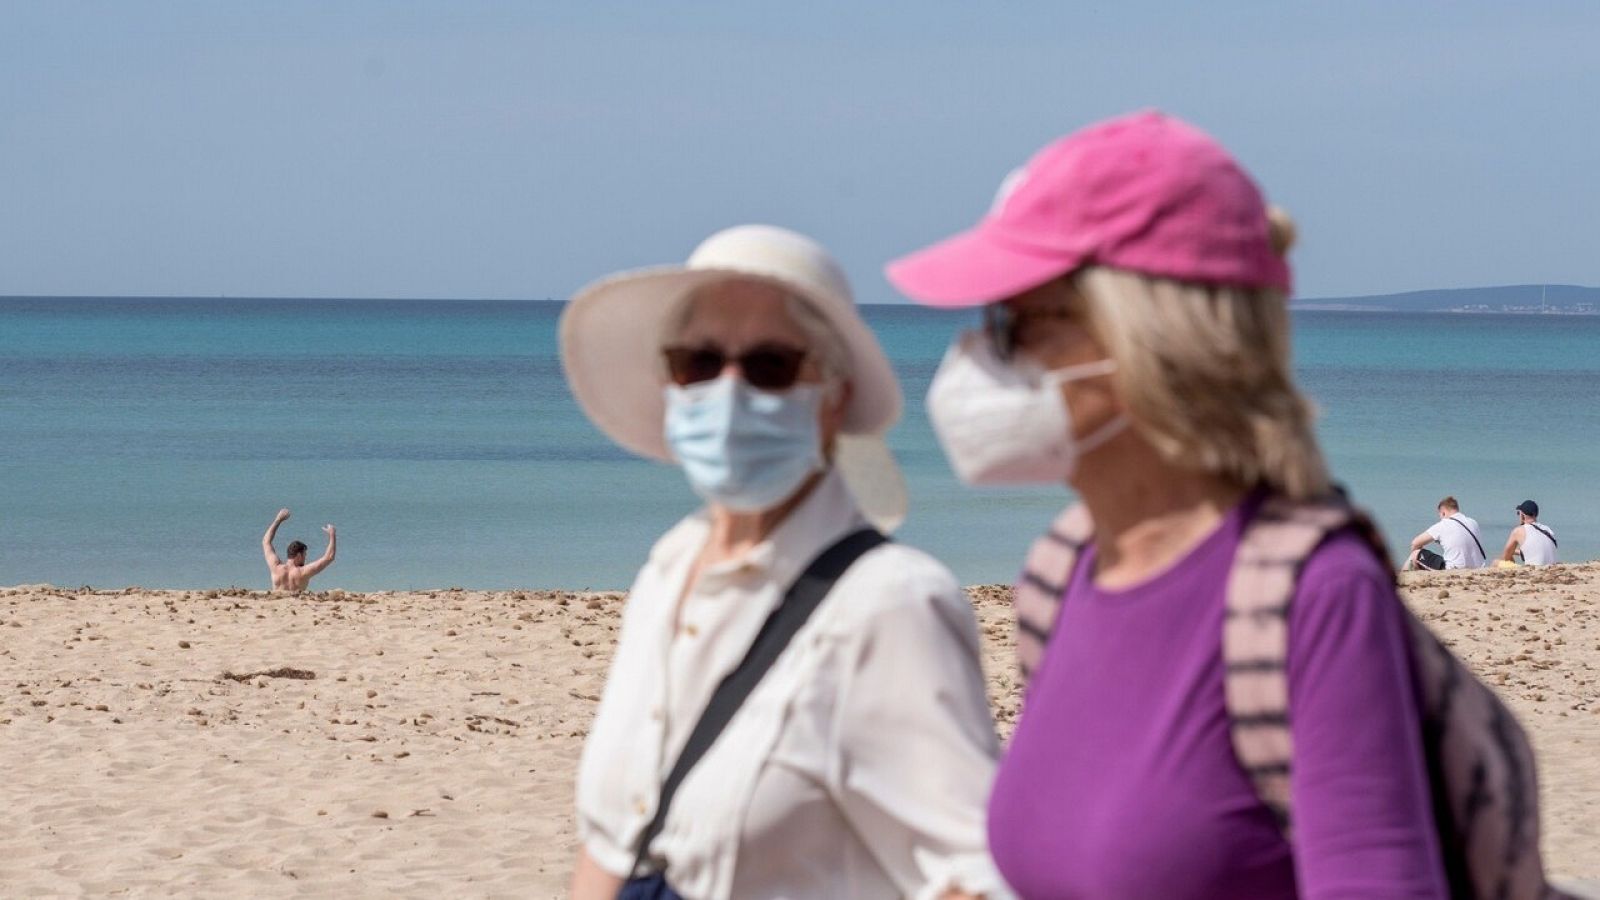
(1000, 328)
(1001, 325)
(767, 367)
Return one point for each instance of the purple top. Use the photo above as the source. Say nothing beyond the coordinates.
(1121, 781)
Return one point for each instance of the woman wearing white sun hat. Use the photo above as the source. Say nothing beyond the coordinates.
(796, 706)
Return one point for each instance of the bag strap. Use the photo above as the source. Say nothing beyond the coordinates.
(1471, 534)
(1255, 638)
(1255, 633)
(802, 598)
(1037, 598)
(1546, 532)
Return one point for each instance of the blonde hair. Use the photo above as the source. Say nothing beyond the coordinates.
(1205, 372)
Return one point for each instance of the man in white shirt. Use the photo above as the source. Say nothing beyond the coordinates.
(1457, 536)
(1533, 539)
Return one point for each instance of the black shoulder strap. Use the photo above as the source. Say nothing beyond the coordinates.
(1471, 535)
(1544, 531)
(798, 603)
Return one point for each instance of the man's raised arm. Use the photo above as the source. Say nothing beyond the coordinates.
(272, 532)
(327, 555)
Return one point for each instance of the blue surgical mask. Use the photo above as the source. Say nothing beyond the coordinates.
(742, 448)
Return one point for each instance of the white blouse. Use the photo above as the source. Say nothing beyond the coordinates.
(860, 765)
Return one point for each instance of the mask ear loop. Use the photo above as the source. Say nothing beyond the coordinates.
(1104, 433)
(1082, 370)
(833, 391)
(1097, 438)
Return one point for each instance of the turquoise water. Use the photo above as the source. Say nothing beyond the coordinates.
(150, 441)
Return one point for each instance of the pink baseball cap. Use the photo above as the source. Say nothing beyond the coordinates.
(1143, 192)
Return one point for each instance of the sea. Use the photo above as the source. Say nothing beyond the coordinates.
(149, 441)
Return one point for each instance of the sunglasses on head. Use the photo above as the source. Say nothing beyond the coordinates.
(767, 367)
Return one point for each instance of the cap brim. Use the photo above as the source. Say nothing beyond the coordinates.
(972, 269)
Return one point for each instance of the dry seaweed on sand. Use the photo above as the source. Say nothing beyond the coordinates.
(280, 672)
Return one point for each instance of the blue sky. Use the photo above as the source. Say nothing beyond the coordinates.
(470, 149)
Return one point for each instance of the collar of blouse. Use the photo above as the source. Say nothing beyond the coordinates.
(822, 518)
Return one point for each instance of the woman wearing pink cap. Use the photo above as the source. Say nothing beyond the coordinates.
(1136, 347)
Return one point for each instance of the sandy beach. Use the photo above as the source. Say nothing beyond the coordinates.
(228, 743)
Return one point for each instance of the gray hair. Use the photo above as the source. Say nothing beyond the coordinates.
(823, 341)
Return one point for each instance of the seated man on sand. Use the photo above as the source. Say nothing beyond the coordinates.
(1457, 535)
(293, 575)
(1535, 541)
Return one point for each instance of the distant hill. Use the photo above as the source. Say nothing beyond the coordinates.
(1560, 299)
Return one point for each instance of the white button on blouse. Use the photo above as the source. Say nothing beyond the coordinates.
(860, 765)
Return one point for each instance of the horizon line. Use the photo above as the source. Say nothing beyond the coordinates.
(551, 300)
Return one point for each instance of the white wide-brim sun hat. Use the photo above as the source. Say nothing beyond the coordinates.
(612, 334)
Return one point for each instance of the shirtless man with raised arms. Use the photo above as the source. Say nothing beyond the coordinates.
(294, 575)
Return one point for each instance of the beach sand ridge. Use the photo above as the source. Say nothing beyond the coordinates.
(424, 743)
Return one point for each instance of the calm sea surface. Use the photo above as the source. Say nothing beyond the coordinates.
(149, 442)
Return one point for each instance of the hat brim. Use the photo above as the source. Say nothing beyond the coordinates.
(611, 335)
(974, 268)
(874, 479)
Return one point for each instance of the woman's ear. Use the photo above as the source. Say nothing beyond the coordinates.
(835, 400)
